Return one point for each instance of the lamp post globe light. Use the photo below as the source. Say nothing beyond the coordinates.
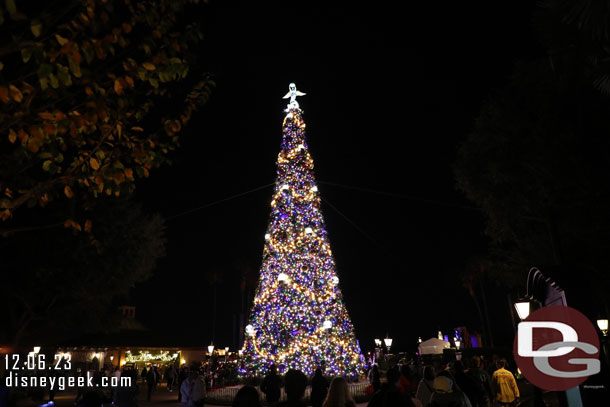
(388, 343)
(523, 308)
(211, 348)
(545, 292)
(603, 326)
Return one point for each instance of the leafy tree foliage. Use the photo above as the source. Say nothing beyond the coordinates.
(56, 283)
(93, 95)
(538, 162)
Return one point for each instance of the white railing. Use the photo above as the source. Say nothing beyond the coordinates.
(227, 394)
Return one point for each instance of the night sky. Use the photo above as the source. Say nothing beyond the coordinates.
(390, 95)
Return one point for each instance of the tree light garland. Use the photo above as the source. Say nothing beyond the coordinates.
(298, 318)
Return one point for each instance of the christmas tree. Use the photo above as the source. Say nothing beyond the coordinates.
(298, 320)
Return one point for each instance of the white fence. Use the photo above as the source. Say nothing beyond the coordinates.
(227, 394)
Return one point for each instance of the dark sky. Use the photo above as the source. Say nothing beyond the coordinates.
(390, 95)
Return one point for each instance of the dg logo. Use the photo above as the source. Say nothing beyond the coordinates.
(557, 348)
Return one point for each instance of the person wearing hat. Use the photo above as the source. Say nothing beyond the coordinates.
(446, 396)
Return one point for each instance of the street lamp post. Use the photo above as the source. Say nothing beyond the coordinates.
(377, 348)
(523, 308)
(546, 292)
(603, 326)
(388, 343)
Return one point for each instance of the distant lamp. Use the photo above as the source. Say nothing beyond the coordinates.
(523, 308)
(211, 348)
(250, 330)
(227, 349)
(378, 343)
(37, 348)
(603, 326)
(388, 343)
(111, 358)
(240, 352)
(457, 342)
(419, 340)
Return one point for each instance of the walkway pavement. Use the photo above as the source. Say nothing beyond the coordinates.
(161, 398)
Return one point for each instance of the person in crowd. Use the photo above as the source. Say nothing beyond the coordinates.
(446, 395)
(204, 386)
(192, 390)
(406, 380)
(319, 388)
(482, 382)
(295, 383)
(127, 396)
(151, 382)
(465, 382)
(4, 391)
(375, 378)
(271, 386)
(247, 396)
(170, 377)
(504, 385)
(390, 395)
(157, 376)
(182, 376)
(426, 386)
(144, 374)
(338, 394)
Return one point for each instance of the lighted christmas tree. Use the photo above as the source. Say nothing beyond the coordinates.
(298, 319)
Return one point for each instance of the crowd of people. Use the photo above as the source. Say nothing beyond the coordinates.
(190, 383)
(462, 383)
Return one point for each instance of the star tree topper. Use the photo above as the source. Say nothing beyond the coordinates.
(292, 94)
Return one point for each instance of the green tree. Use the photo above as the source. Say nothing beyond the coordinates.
(537, 164)
(93, 94)
(57, 283)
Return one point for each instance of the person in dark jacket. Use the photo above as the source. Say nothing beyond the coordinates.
(247, 396)
(482, 382)
(295, 383)
(182, 376)
(390, 395)
(170, 376)
(151, 382)
(319, 388)
(271, 386)
(446, 395)
(375, 378)
(465, 382)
